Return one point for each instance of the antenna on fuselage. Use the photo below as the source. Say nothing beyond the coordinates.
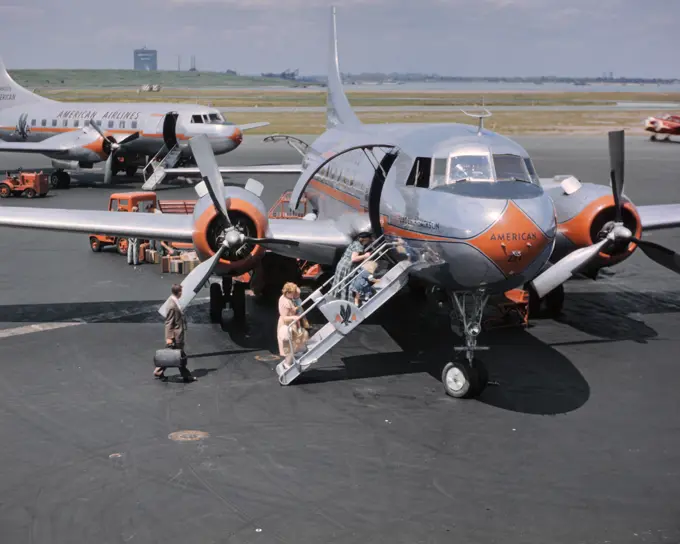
(481, 115)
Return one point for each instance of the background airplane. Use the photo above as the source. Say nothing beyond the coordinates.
(461, 209)
(124, 135)
(667, 124)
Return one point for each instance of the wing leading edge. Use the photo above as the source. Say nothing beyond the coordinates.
(260, 169)
(659, 216)
(171, 227)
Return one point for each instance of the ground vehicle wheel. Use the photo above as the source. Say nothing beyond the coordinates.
(29, 193)
(462, 380)
(216, 302)
(130, 171)
(122, 246)
(5, 190)
(55, 180)
(238, 301)
(95, 245)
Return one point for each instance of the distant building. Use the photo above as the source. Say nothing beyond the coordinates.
(146, 59)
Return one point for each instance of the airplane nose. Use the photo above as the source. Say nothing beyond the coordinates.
(236, 136)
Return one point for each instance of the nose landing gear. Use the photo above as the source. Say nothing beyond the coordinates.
(467, 377)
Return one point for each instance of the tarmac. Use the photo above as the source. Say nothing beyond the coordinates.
(578, 440)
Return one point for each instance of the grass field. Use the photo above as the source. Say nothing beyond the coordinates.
(544, 122)
(226, 98)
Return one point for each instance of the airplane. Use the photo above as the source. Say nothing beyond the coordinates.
(79, 134)
(455, 206)
(667, 124)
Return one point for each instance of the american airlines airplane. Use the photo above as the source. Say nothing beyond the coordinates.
(125, 135)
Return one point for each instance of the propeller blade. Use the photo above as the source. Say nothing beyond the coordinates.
(616, 161)
(271, 241)
(660, 254)
(97, 128)
(564, 269)
(108, 169)
(193, 283)
(128, 139)
(205, 159)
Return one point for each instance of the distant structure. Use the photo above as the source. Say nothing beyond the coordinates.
(146, 59)
(193, 63)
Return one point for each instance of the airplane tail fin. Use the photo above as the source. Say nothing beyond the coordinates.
(338, 109)
(12, 94)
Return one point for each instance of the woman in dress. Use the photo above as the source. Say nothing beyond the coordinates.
(354, 255)
(288, 314)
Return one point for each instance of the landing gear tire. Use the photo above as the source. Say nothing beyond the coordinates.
(238, 301)
(463, 380)
(216, 303)
(653, 138)
(130, 171)
(554, 301)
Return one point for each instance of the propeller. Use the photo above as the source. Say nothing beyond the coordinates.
(111, 147)
(612, 234)
(231, 237)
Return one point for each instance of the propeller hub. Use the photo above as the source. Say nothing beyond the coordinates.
(233, 238)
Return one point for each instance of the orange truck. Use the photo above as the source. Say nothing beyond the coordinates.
(123, 202)
(28, 184)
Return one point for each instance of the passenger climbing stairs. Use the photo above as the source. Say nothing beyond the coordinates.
(344, 316)
(154, 172)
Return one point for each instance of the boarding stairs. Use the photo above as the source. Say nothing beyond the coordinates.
(154, 172)
(344, 316)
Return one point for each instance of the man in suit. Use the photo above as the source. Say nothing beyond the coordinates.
(175, 331)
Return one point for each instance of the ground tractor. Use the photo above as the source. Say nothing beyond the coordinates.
(28, 184)
(123, 202)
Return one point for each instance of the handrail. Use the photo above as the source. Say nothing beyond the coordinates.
(160, 161)
(379, 253)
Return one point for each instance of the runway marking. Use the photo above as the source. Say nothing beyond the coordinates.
(186, 436)
(38, 327)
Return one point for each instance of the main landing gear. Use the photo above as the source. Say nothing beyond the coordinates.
(230, 292)
(60, 179)
(467, 377)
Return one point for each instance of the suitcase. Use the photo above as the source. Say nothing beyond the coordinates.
(165, 265)
(168, 358)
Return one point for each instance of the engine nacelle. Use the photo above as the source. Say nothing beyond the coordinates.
(582, 216)
(246, 212)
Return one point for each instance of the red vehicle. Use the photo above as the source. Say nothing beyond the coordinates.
(28, 184)
(665, 124)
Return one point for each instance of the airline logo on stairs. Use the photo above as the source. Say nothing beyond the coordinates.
(346, 316)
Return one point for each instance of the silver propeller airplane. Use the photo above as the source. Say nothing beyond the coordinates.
(456, 206)
(124, 135)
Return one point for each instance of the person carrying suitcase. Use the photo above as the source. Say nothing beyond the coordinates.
(175, 331)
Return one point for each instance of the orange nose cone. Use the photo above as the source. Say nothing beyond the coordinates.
(512, 242)
(237, 136)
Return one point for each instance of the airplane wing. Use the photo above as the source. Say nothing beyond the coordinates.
(251, 126)
(659, 216)
(317, 240)
(171, 227)
(259, 169)
(55, 144)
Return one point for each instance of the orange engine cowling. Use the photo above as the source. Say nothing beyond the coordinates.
(582, 230)
(209, 231)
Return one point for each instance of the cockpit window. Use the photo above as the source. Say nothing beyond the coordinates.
(469, 168)
(532, 171)
(196, 119)
(214, 118)
(510, 168)
(205, 118)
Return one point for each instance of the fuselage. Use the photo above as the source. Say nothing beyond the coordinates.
(38, 121)
(469, 203)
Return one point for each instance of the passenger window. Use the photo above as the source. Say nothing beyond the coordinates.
(420, 173)
(99, 122)
(32, 122)
(43, 123)
(65, 122)
(196, 119)
(122, 124)
(134, 124)
(76, 123)
(54, 122)
(110, 124)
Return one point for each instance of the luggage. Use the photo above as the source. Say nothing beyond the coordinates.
(176, 266)
(165, 265)
(168, 358)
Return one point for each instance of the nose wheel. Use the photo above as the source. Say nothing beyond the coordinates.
(467, 377)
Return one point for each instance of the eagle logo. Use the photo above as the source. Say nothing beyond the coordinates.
(22, 129)
(345, 316)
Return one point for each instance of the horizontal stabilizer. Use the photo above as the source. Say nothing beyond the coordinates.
(251, 126)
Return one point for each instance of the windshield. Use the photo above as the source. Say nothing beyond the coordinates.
(469, 168)
(510, 168)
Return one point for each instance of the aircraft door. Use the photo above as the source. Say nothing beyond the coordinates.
(170, 129)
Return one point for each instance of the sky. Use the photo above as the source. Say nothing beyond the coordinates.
(449, 37)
